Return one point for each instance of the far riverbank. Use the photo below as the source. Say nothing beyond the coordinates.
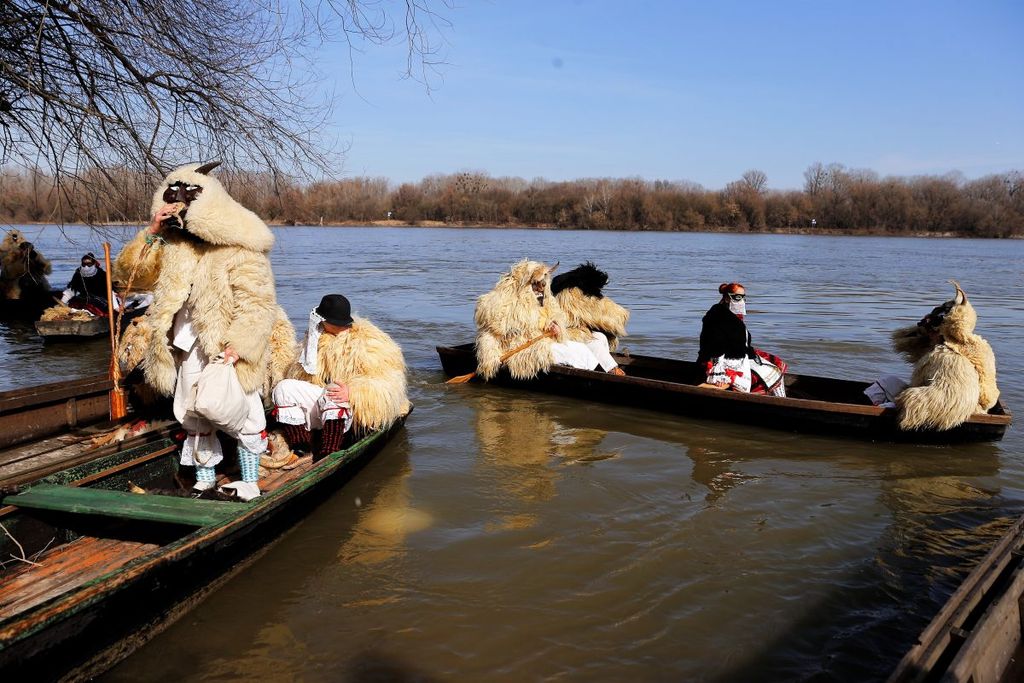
(738, 230)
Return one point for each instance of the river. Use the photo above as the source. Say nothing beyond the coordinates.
(513, 537)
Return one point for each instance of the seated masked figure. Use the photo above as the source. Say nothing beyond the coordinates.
(726, 359)
(88, 287)
(592, 318)
(522, 309)
(954, 369)
(349, 375)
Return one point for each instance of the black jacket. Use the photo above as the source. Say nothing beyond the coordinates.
(89, 287)
(723, 333)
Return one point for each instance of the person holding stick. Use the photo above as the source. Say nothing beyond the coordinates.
(520, 324)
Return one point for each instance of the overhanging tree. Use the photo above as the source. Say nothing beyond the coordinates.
(146, 85)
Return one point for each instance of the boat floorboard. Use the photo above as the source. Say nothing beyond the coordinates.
(64, 568)
(19, 464)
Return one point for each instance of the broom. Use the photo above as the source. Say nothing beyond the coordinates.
(462, 379)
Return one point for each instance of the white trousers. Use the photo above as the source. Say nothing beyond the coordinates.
(574, 354)
(303, 403)
(201, 445)
(598, 345)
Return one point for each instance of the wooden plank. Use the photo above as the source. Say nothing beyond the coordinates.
(986, 653)
(941, 641)
(52, 392)
(155, 508)
(64, 568)
(25, 464)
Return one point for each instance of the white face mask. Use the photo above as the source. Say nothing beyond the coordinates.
(87, 271)
(738, 307)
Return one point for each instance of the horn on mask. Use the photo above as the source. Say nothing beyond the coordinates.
(553, 268)
(207, 167)
(960, 298)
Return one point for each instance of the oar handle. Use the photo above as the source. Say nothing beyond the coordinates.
(462, 379)
(525, 345)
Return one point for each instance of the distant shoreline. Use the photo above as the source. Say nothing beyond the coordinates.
(481, 226)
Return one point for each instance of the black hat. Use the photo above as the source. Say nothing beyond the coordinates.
(89, 257)
(336, 310)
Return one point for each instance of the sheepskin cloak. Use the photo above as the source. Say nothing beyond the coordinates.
(585, 314)
(221, 270)
(953, 379)
(370, 364)
(22, 271)
(509, 315)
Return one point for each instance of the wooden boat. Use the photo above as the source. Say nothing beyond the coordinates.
(59, 329)
(93, 570)
(977, 635)
(813, 404)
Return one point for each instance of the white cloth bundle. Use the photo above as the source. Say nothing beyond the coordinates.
(308, 357)
(218, 397)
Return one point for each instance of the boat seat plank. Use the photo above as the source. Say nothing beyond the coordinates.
(64, 568)
(123, 505)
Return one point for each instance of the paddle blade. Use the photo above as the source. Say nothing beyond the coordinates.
(461, 379)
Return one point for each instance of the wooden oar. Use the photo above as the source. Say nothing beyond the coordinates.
(462, 379)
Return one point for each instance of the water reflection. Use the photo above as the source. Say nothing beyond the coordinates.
(944, 515)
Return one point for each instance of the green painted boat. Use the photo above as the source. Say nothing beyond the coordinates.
(99, 556)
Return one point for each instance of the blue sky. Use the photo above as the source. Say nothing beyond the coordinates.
(694, 91)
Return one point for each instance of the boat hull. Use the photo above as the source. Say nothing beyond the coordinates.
(71, 329)
(815, 404)
(82, 633)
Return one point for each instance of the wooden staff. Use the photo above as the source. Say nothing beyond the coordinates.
(462, 379)
(118, 400)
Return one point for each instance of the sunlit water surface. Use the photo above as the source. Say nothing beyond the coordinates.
(511, 537)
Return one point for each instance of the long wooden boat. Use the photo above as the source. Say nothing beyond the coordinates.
(813, 404)
(74, 329)
(978, 635)
(92, 570)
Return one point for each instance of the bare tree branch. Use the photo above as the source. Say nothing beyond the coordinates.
(145, 85)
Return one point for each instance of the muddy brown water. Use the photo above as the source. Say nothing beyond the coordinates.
(511, 537)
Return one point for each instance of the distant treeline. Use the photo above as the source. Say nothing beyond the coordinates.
(833, 199)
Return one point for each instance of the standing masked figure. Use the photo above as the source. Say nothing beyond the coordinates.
(519, 309)
(592, 318)
(213, 301)
(954, 369)
(727, 359)
(88, 287)
(349, 374)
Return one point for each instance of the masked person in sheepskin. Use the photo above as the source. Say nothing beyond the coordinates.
(591, 317)
(213, 301)
(954, 369)
(520, 309)
(349, 375)
(23, 270)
